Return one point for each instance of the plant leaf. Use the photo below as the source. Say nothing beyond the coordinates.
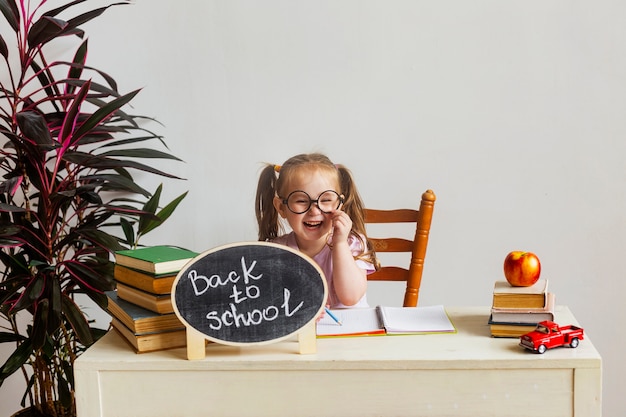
(77, 320)
(4, 50)
(40, 323)
(129, 231)
(97, 162)
(76, 69)
(44, 30)
(11, 13)
(9, 243)
(141, 153)
(95, 86)
(151, 206)
(46, 82)
(98, 333)
(65, 391)
(63, 7)
(87, 278)
(11, 208)
(35, 128)
(16, 360)
(102, 301)
(103, 239)
(163, 214)
(71, 117)
(32, 291)
(83, 18)
(11, 185)
(116, 182)
(10, 337)
(54, 318)
(103, 112)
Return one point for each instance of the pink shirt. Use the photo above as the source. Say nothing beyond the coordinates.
(325, 261)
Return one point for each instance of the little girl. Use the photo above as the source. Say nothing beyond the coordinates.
(319, 201)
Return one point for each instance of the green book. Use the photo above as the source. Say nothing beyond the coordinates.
(155, 259)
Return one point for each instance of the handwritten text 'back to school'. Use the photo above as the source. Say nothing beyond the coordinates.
(243, 289)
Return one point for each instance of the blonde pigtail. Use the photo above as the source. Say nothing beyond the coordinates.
(354, 207)
(266, 214)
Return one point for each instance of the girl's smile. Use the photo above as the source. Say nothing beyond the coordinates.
(312, 225)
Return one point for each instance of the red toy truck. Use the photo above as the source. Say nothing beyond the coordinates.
(548, 335)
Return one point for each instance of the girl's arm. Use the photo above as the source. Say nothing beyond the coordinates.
(349, 280)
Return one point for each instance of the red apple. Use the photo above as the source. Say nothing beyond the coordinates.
(522, 269)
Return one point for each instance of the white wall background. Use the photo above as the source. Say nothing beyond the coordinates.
(512, 112)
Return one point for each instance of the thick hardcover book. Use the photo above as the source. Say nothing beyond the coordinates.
(155, 259)
(159, 303)
(525, 315)
(510, 329)
(383, 320)
(150, 342)
(156, 284)
(507, 296)
(141, 320)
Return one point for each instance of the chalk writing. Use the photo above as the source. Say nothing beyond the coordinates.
(215, 280)
(256, 316)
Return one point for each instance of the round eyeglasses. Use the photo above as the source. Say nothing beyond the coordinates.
(299, 202)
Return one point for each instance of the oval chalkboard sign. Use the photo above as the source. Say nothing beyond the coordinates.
(249, 292)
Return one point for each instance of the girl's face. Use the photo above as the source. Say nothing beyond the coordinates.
(313, 225)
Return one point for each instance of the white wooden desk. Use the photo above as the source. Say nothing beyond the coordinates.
(463, 374)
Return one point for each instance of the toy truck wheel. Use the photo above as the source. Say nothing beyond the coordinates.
(574, 342)
(541, 349)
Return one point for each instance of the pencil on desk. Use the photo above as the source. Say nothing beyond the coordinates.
(332, 316)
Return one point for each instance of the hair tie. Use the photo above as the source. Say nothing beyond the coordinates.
(277, 168)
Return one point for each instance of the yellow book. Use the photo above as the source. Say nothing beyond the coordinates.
(507, 296)
(159, 303)
(150, 342)
(156, 284)
(510, 330)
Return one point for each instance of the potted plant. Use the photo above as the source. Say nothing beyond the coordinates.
(68, 198)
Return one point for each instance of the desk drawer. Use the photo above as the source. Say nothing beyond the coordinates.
(358, 393)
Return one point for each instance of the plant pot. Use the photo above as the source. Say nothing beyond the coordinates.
(32, 412)
(27, 412)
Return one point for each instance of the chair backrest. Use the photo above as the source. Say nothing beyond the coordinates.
(417, 247)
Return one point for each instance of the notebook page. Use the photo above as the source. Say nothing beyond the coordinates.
(355, 322)
(430, 319)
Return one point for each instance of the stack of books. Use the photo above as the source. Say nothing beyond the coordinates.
(517, 310)
(141, 308)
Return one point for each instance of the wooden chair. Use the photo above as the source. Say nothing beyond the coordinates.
(417, 247)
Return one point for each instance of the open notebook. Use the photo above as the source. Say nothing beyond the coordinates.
(383, 320)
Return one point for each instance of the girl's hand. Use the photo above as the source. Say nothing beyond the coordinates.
(342, 224)
(323, 313)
